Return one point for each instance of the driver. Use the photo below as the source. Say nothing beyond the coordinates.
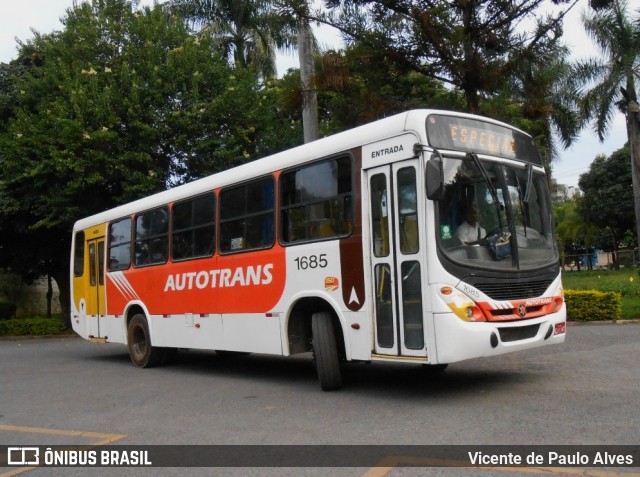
(470, 231)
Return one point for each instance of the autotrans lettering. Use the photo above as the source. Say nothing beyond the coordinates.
(220, 278)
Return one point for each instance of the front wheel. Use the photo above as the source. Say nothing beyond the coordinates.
(142, 353)
(325, 351)
(434, 369)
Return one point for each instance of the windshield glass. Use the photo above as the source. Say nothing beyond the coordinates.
(496, 218)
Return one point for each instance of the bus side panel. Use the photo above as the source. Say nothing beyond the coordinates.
(116, 329)
(315, 271)
(189, 330)
(255, 332)
(239, 283)
(351, 248)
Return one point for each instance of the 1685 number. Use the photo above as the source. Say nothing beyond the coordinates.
(312, 261)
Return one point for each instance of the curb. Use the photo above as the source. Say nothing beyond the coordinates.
(604, 322)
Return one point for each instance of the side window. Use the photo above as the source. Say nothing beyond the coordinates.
(120, 245)
(78, 255)
(92, 265)
(379, 216)
(152, 239)
(317, 201)
(408, 210)
(193, 228)
(247, 216)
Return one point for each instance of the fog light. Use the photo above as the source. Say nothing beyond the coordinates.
(474, 313)
(549, 331)
(494, 340)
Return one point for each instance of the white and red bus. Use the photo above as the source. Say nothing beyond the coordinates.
(349, 246)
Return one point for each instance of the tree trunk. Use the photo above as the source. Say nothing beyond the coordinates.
(633, 132)
(307, 76)
(49, 295)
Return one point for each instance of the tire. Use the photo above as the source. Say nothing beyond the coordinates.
(434, 369)
(325, 351)
(142, 353)
(224, 354)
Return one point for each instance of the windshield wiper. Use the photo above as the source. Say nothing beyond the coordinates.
(490, 186)
(527, 192)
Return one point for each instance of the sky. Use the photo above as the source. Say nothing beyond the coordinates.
(17, 19)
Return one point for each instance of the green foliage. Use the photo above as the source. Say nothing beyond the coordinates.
(357, 85)
(593, 305)
(7, 310)
(33, 327)
(607, 199)
(11, 286)
(119, 104)
(574, 235)
(246, 32)
(623, 282)
(617, 37)
(136, 103)
(472, 45)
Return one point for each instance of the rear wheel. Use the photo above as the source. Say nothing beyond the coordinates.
(142, 353)
(325, 351)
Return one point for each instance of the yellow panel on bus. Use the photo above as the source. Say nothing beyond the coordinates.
(88, 280)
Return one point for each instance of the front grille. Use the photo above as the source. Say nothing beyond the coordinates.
(514, 291)
(518, 333)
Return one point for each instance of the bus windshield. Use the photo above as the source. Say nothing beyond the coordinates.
(495, 215)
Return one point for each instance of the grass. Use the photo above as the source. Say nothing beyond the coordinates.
(625, 281)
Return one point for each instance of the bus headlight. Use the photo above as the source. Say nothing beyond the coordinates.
(461, 305)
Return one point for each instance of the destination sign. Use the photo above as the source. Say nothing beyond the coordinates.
(473, 135)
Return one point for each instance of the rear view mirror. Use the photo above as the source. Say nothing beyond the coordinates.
(434, 179)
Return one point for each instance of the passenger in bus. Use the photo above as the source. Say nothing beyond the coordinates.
(469, 230)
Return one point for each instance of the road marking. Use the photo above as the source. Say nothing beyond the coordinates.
(102, 440)
(387, 464)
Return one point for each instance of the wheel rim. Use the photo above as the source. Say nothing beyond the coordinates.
(139, 342)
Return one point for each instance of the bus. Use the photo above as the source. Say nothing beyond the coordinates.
(348, 247)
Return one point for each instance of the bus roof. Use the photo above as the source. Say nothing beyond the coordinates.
(413, 120)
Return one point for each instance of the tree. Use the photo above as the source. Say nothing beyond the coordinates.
(607, 200)
(247, 32)
(356, 86)
(118, 105)
(574, 234)
(359, 86)
(546, 89)
(252, 30)
(614, 78)
(472, 45)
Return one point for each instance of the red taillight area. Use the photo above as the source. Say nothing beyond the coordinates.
(560, 328)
